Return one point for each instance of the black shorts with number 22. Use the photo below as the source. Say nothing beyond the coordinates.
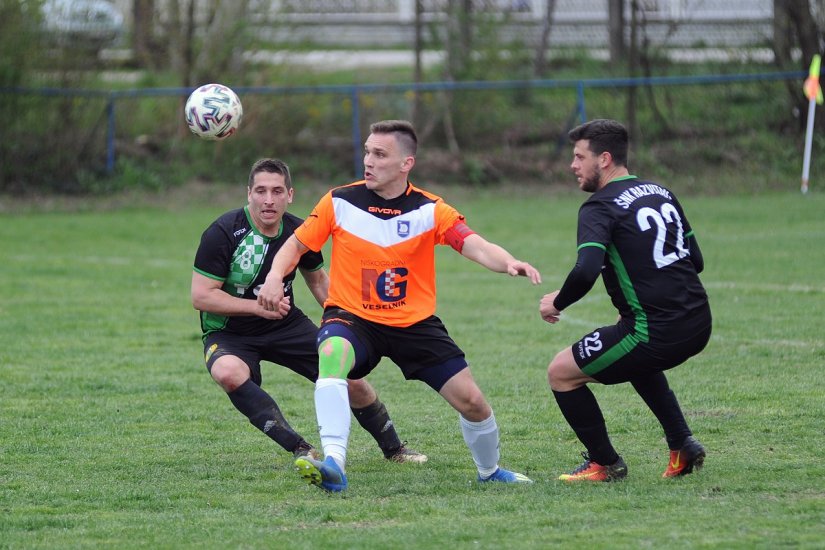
(616, 353)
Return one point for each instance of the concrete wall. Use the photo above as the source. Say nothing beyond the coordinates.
(577, 23)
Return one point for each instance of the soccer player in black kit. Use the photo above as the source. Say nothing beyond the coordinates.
(635, 234)
(233, 258)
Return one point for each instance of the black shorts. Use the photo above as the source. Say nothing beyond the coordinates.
(292, 345)
(613, 354)
(423, 351)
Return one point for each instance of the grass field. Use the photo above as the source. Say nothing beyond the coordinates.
(113, 435)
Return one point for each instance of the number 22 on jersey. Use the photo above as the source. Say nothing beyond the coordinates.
(667, 213)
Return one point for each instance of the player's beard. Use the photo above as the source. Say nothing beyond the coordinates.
(591, 184)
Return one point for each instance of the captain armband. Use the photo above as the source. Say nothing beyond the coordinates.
(457, 233)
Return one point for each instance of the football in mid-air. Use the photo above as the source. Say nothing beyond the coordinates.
(213, 112)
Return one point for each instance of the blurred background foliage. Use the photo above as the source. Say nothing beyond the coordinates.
(55, 85)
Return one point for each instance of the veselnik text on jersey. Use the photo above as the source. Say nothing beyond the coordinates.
(392, 305)
(642, 190)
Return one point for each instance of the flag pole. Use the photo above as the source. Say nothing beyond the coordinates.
(813, 92)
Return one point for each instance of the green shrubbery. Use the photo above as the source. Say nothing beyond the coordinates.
(60, 143)
(689, 134)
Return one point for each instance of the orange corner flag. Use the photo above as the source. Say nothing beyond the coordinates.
(811, 87)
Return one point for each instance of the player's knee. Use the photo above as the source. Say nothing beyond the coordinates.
(336, 357)
(477, 409)
(229, 373)
(555, 371)
(563, 374)
(552, 371)
(473, 406)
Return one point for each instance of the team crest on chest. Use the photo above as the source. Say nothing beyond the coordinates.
(402, 228)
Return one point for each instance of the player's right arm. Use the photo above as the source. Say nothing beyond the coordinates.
(318, 284)
(582, 277)
(286, 259)
(593, 232)
(208, 295)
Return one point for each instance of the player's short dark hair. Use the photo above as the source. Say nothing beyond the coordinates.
(403, 131)
(604, 135)
(271, 166)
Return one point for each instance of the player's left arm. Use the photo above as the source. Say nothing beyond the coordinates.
(495, 258)
(695, 253)
(690, 237)
(317, 281)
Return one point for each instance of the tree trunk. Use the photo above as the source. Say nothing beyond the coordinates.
(782, 41)
(632, 66)
(187, 46)
(144, 43)
(466, 27)
(540, 62)
(417, 72)
(456, 64)
(795, 18)
(803, 25)
(615, 24)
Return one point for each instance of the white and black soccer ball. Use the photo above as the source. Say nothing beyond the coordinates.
(213, 112)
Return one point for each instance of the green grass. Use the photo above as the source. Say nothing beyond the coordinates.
(112, 434)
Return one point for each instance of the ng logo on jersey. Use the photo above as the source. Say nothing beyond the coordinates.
(389, 285)
(403, 228)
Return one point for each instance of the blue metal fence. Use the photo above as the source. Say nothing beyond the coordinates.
(356, 90)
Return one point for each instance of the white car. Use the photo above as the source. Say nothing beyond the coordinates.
(82, 23)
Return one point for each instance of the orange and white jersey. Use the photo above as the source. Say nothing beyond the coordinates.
(383, 251)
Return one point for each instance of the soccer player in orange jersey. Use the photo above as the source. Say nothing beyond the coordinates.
(382, 299)
(232, 260)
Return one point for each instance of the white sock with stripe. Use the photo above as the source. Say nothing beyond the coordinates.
(482, 439)
(333, 414)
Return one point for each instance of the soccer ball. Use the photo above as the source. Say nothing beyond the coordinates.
(213, 112)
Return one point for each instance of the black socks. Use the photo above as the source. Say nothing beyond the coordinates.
(264, 414)
(375, 419)
(582, 412)
(661, 400)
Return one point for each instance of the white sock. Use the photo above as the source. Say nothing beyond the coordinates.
(333, 414)
(482, 439)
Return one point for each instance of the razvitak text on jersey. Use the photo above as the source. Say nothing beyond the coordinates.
(642, 190)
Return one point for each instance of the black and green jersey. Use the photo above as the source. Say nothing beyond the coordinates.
(646, 238)
(234, 252)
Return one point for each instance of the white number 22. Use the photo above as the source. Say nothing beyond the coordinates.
(666, 214)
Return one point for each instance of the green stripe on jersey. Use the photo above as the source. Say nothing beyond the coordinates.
(640, 333)
(597, 245)
(612, 355)
(211, 323)
(626, 286)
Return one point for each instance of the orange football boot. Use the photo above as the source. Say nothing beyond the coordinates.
(592, 471)
(683, 461)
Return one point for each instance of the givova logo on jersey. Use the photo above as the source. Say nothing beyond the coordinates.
(389, 285)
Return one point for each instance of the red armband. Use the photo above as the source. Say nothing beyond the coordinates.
(457, 233)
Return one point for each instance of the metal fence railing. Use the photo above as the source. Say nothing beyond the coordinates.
(355, 93)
